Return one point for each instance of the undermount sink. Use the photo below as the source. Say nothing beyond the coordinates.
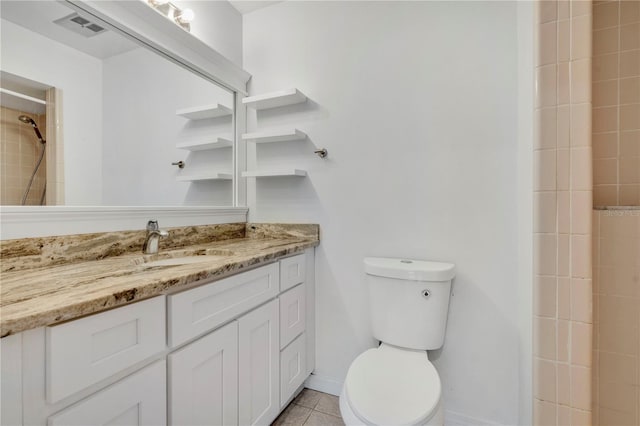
(181, 257)
(180, 261)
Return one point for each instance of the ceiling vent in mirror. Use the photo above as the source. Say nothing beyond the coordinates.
(80, 25)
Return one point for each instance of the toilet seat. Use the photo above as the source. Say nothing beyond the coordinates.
(393, 386)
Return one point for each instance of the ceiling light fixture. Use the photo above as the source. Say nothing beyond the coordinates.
(183, 18)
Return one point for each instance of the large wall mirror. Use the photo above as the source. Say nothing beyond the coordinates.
(111, 116)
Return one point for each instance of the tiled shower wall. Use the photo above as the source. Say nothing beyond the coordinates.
(616, 285)
(616, 103)
(19, 152)
(616, 232)
(562, 215)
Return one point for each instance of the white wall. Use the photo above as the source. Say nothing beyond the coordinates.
(218, 24)
(142, 92)
(417, 104)
(79, 76)
(525, 207)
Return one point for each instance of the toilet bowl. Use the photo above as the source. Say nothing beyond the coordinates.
(395, 383)
(392, 386)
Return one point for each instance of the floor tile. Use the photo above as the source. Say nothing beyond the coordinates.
(308, 398)
(328, 404)
(293, 415)
(320, 419)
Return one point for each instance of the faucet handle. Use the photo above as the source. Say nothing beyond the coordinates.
(152, 225)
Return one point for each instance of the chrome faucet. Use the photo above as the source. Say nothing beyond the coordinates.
(152, 241)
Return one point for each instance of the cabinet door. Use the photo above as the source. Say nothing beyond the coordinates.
(203, 379)
(259, 365)
(11, 380)
(140, 399)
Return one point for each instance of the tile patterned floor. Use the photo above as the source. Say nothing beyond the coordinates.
(311, 408)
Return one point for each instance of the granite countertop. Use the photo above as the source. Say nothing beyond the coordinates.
(63, 282)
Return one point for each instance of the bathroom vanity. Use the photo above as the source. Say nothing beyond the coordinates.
(228, 339)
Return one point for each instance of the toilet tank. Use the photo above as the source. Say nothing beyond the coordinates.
(409, 301)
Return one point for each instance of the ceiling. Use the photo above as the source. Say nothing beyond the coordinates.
(38, 16)
(248, 6)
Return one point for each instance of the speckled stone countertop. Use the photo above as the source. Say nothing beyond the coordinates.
(45, 281)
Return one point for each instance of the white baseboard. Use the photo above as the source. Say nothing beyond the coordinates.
(324, 384)
(456, 419)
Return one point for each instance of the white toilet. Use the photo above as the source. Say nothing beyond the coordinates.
(395, 383)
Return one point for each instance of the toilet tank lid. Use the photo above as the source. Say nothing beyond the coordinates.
(409, 269)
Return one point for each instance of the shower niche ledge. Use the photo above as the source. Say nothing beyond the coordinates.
(204, 112)
(207, 144)
(262, 173)
(204, 177)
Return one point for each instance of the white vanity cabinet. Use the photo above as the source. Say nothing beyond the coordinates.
(229, 352)
(231, 375)
(198, 393)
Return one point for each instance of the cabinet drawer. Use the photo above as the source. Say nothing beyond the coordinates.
(292, 368)
(292, 314)
(139, 399)
(196, 311)
(85, 351)
(292, 271)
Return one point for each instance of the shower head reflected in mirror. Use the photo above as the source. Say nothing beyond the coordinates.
(28, 120)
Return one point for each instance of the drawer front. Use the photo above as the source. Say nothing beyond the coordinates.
(139, 399)
(292, 271)
(292, 368)
(85, 351)
(293, 314)
(196, 311)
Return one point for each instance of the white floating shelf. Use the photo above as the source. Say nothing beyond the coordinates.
(215, 143)
(275, 99)
(204, 176)
(275, 136)
(205, 111)
(274, 173)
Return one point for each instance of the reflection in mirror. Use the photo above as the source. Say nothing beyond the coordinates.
(23, 165)
(114, 115)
